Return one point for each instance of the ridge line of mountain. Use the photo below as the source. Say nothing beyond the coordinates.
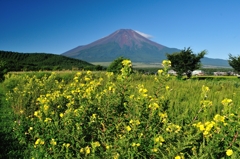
(129, 44)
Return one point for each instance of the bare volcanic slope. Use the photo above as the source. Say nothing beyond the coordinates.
(123, 42)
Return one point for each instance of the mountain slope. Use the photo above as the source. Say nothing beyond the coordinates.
(214, 62)
(123, 42)
(40, 61)
(130, 44)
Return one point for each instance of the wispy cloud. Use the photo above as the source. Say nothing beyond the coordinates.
(144, 35)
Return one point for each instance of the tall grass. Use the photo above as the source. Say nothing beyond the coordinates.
(9, 147)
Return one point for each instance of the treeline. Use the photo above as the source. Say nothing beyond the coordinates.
(15, 61)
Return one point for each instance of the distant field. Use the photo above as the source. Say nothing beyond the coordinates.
(135, 64)
(153, 65)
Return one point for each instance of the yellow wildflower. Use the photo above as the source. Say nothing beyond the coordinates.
(37, 141)
(166, 63)
(42, 142)
(206, 103)
(177, 157)
(87, 79)
(53, 142)
(131, 121)
(153, 106)
(95, 144)
(87, 150)
(61, 115)
(162, 115)
(94, 116)
(159, 140)
(218, 118)
(127, 63)
(89, 72)
(116, 156)
(141, 134)
(160, 72)
(107, 146)
(30, 129)
(173, 128)
(82, 150)
(128, 128)
(205, 88)
(201, 127)
(137, 122)
(229, 152)
(205, 133)
(47, 120)
(66, 145)
(226, 101)
(154, 150)
(45, 108)
(167, 88)
(78, 74)
(134, 122)
(135, 144)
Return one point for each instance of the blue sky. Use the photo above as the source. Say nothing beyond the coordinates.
(56, 26)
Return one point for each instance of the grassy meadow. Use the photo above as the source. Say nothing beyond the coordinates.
(101, 115)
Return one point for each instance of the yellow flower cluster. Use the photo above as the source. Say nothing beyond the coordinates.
(219, 118)
(166, 63)
(135, 144)
(159, 140)
(127, 63)
(48, 120)
(205, 90)
(93, 117)
(38, 114)
(160, 71)
(181, 156)
(205, 127)
(66, 145)
(142, 91)
(39, 142)
(163, 117)
(126, 70)
(226, 101)
(134, 122)
(153, 106)
(85, 150)
(53, 142)
(173, 128)
(95, 144)
(128, 128)
(206, 103)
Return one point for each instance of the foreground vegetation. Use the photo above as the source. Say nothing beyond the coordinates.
(101, 115)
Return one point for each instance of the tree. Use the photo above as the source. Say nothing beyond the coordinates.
(234, 61)
(116, 65)
(185, 61)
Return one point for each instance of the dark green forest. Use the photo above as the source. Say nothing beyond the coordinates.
(15, 61)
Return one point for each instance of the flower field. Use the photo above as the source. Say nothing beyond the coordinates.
(102, 115)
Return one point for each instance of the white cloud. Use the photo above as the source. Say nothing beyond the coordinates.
(144, 35)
